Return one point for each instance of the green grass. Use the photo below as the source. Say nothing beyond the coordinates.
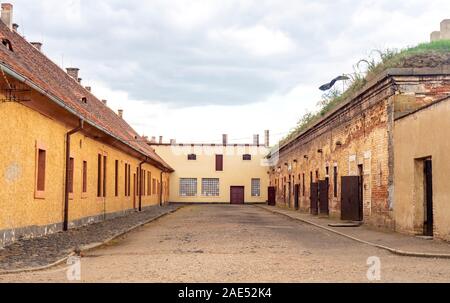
(422, 55)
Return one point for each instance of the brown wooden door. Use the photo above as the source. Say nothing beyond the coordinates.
(272, 196)
(314, 197)
(323, 197)
(351, 204)
(237, 195)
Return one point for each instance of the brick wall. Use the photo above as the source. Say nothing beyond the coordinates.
(358, 133)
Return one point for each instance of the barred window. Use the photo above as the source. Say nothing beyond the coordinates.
(256, 187)
(247, 157)
(188, 187)
(210, 187)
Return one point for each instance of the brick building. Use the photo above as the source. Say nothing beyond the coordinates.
(66, 158)
(343, 165)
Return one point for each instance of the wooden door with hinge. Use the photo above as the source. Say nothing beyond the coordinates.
(351, 204)
(237, 194)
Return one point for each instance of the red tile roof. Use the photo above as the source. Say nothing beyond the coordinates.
(32, 64)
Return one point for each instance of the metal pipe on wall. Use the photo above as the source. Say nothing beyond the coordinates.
(66, 185)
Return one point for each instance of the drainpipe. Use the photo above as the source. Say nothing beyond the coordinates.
(66, 185)
(161, 189)
(140, 182)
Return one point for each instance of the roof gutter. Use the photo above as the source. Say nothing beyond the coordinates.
(61, 103)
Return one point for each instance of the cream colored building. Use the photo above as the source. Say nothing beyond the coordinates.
(422, 168)
(209, 173)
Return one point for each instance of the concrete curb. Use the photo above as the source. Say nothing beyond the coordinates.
(389, 249)
(88, 247)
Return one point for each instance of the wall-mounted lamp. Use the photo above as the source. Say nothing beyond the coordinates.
(295, 161)
(339, 143)
(306, 157)
(320, 151)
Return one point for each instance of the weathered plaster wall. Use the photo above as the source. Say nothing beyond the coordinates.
(22, 214)
(237, 172)
(419, 136)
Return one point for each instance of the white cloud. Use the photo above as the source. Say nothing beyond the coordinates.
(205, 124)
(256, 40)
(193, 70)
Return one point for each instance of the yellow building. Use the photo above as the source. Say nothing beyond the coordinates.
(209, 173)
(66, 158)
(422, 167)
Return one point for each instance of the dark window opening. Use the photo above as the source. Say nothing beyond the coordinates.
(71, 168)
(304, 187)
(84, 187)
(40, 186)
(335, 181)
(116, 180)
(219, 162)
(247, 157)
(8, 44)
(99, 176)
(104, 176)
(192, 157)
(149, 183)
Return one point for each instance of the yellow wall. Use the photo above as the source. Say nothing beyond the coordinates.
(237, 172)
(416, 137)
(22, 128)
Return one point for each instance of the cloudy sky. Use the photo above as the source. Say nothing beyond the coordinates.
(193, 70)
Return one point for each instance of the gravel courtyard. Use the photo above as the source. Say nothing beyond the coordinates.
(220, 243)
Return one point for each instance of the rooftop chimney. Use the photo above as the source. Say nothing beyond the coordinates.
(120, 113)
(105, 101)
(15, 27)
(37, 45)
(7, 15)
(73, 72)
(256, 140)
(88, 88)
(160, 139)
(153, 140)
(225, 139)
(173, 141)
(267, 138)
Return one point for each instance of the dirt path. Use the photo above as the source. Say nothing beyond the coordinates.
(239, 244)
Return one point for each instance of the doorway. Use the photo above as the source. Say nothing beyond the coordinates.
(361, 191)
(428, 183)
(237, 194)
(324, 197)
(297, 197)
(272, 196)
(351, 206)
(314, 197)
